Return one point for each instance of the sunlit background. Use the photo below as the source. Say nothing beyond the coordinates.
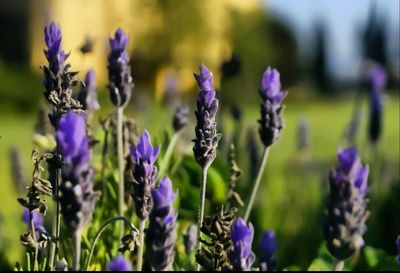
(323, 50)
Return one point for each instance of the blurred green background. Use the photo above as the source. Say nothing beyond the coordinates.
(238, 40)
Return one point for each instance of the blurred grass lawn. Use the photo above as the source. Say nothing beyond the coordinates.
(282, 187)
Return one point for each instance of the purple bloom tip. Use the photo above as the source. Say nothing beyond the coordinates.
(205, 82)
(268, 243)
(242, 234)
(119, 263)
(90, 79)
(398, 244)
(271, 86)
(377, 77)
(52, 35)
(119, 45)
(163, 195)
(71, 137)
(350, 167)
(144, 150)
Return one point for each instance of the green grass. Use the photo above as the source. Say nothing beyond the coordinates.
(292, 191)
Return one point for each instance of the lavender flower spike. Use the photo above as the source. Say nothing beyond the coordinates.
(190, 239)
(344, 223)
(77, 195)
(119, 70)
(87, 95)
(241, 256)
(377, 79)
(267, 251)
(119, 263)
(161, 234)
(58, 80)
(143, 174)
(180, 118)
(271, 122)
(207, 138)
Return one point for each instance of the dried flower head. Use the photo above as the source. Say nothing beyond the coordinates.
(207, 138)
(215, 253)
(161, 234)
(119, 70)
(77, 195)
(180, 118)
(344, 223)
(242, 257)
(143, 174)
(271, 122)
(267, 251)
(119, 263)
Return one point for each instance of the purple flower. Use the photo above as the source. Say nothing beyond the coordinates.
(161, 234)
(72, 139)
(118, 46)
(119, 263)
(377, 77)
(143, 174)
(344, 222)
(37, 218)
(58, 80)
(271, 122)
(242, 257)
(88, 95)
(271, 86)
(350, 169)
(377, 80)
(207, 138)
(163, 196)
(267, 251)
(54, 53)
(205, 82)
(77, 195)
(119, 71)
(144, 151)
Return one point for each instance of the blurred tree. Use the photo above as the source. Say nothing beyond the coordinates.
(259, 40)
(13, 31)
(374, 38)
(319, 63)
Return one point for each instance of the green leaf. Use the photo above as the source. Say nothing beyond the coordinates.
(378, 259)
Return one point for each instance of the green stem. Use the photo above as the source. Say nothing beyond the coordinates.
(77, 252)
(56, 223)
(256, 184)
(165, 162)
(141, 246)
(120, 115)
(100, 231)
(201, 209)
(33, 231)
(338, 265)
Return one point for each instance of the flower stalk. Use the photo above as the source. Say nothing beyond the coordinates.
(139, 264)
(121, 164)
(256, 184)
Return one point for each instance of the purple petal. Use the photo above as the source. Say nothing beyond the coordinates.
(119, 263)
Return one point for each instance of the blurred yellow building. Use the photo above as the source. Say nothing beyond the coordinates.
(189, 32)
